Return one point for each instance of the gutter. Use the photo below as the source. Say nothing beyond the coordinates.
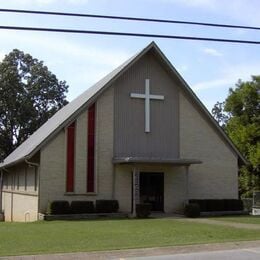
(1, 188)
(31, 163)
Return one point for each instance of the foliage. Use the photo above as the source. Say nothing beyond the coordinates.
(239, 115)
(30, 95)
(60, 207)
(192, 210)
(218, 113)
(143, 210)
(81, 207)
(208, 205)
(107, 206)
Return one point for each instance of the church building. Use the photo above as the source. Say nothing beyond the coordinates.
(138, 135)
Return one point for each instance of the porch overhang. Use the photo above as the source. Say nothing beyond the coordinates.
(155, 160)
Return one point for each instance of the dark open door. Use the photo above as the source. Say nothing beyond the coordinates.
(152, 189)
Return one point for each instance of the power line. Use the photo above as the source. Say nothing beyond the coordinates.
(130, 18)
(178, 37)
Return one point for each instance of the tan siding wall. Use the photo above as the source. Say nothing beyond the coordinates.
(30, 179)
(21, 178)
(20, 199)
(20, 207)
(7, 205)
(217, 176)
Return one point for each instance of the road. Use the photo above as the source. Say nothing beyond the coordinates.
(235, 254)
(240, 250)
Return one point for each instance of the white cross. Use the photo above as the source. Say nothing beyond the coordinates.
(147, 97)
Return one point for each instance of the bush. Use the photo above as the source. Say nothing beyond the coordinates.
(248, 204)
(216, 205)
(143, 210)
(107, 206)
(233, 205)
(81, 207)
(209, 205)
(59, 207)
(192, 210)
(202, 203)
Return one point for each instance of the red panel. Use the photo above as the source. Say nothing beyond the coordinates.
(70, 157)
(91, 149)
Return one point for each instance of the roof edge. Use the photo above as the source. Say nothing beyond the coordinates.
(93, 98)
(201, 105)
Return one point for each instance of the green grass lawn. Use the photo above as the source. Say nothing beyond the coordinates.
(72, 236)
(240, 219)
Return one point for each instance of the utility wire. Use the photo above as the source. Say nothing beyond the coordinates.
(178, 37)
(130, 18)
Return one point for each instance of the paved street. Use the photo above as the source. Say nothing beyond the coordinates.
(237, 254)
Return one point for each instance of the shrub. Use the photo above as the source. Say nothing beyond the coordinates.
(202, 203)
(233, 205)
(248, 204)
(59, 207)
(209, 205)
(216, 205)
(81, 207)
(192, 210)
(107, 206)
(143, 210)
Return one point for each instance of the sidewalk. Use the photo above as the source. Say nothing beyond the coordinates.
(223, 223)
(120, 254)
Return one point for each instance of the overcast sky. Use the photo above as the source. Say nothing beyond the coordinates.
(209, 68)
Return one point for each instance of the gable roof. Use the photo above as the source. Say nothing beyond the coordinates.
(68, 113)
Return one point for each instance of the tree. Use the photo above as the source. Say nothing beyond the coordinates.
(218, 113)
(241, 114)
(30, 95)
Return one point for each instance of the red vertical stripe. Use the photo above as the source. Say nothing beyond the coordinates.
(70, 157)
(91, 149)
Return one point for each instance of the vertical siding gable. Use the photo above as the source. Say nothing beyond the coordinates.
(130, 138)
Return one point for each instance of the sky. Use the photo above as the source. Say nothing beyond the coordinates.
(209, 68)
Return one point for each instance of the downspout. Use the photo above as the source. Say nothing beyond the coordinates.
(32, 163)
(36, 167)
(1, 188)
(1, 193)
(187, 184)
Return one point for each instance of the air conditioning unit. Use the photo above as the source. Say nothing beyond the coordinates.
(256, 203)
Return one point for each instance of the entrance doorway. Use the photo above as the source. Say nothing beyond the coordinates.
(152, 189)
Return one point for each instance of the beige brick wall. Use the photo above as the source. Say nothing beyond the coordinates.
(81, 153)
(175, 189)
(123, 187)
(217, 177)
(53, 158)
(52, 171)
(174, 186)
(104, 144)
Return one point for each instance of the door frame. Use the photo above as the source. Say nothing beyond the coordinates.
(149, 172)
